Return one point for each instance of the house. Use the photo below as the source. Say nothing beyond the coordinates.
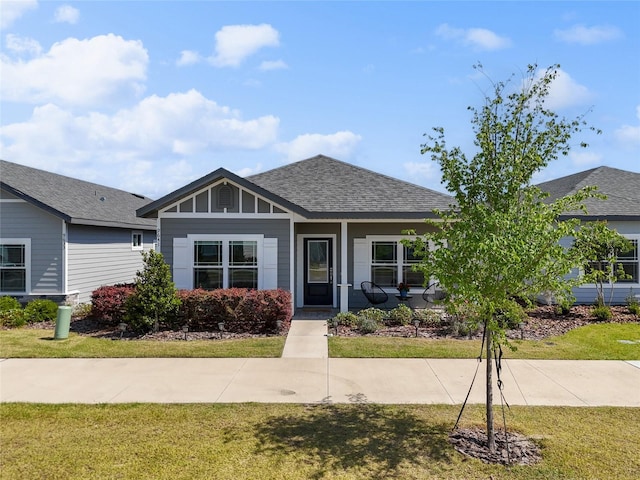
(318, 228)
(621, 210)
(61, 238)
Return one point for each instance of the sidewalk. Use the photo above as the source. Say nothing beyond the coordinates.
(314, 380)
(305, 374)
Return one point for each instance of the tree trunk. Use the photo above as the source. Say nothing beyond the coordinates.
(491, 441)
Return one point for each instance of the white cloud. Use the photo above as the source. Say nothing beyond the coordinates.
(566, 92)
(21, 45)
(629, 134)
(588, 35)
(422, 170)
(158, 131)
(339, 144)
(245, 172)
(67, 14)
(234, 43)
(13, 10)
(77, 72)
(273, 65)
(478, 38)
(584, 159)
(188, 57)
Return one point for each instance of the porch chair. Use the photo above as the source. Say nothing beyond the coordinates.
(375, 295)
(432, 294)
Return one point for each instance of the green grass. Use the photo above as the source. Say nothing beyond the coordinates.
(27, 343)
(591, 342)
(269, 441)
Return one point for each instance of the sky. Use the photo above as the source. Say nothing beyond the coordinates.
(148, 96)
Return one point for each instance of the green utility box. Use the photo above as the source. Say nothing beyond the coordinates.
(62, 323)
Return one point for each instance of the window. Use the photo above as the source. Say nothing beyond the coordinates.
(225, 264)
(13, 267)
(392, 262)
(136, 241)
(629, 263)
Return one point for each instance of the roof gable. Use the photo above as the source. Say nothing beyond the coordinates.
(621, 187)
(75, 201)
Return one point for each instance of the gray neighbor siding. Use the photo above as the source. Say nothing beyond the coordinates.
(99, 256)
(20, 219)
(271, 228)
(586, 294)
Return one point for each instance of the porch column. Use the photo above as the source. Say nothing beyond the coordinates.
(344, 286)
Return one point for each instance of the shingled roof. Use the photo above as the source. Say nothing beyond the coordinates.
(75, 201)
(328, 188)
(621, 187)
(323, 187)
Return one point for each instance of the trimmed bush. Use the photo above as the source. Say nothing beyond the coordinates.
(373, 313)
(368, 325)
(241, 310)
(108, 302)
(13, 318)
(602, 312)
(41, 310)
(428, 317)
(348, 319)
(9, 303)
(401, 315)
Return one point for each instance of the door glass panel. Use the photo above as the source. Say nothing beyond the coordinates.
(317, 261)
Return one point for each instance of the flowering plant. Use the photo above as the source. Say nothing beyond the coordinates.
(403, 287)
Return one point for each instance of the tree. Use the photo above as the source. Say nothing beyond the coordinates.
(500, 242)
(155, 295)
(599, 247)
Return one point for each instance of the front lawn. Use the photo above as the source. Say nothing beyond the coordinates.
(295, 442)
(37, 343)
(592, 342)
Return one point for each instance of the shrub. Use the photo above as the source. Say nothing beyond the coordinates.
(348, 319)
(9, 303)
(82, 310)
(41, 310)
(602, 312)
(241, 310)
(13, 318)
(563, 307)
(401, 315)
(372, 313)
(107, 303)
(633, 303)
(511, 317)
(155, 296)
(428, 317)
(368, 325)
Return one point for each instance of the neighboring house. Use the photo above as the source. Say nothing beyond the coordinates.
(61, 238)
(621, 210)
(318, 228)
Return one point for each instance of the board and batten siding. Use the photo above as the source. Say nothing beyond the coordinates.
(20, 219)
(99, 256)
(271, 228)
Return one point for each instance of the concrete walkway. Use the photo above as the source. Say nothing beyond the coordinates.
(313, 380)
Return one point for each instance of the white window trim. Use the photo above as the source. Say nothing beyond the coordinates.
(135, 247)
(619, 285)
(399, 255)
(225, 239)
(27, 263)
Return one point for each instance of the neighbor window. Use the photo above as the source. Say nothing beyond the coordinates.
(392, 262)
(136, 241)
(13, 267)
(225, 264)
(629, 262)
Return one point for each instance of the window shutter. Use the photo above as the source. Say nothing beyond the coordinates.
(360, 262)
(270, 263)
(181, 263)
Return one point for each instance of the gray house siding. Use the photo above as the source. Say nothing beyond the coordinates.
(621, 290)
(277, 228)
(19, 219)
(100, 256)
